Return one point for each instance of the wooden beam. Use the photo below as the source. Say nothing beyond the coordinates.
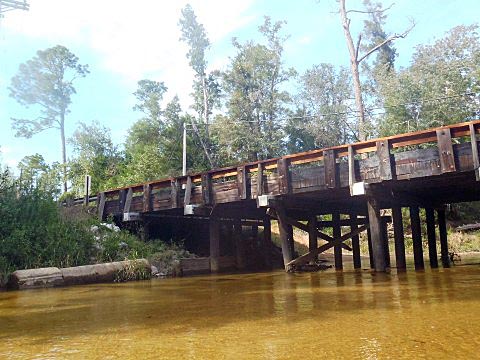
(243, 183)
(352, 179)
(267, 241)
(378, 248)
(417, 238)
(385, 244)
(174, 193)
(188, 191)
(330, 168)
(445, 149)
(399, 238)
(475, 158)
(357, 261)
(128, 200)
(122, 197)
(284, 234)
(284, 179)
(386, 170)
(442, 229)
(305, 228)
(101, 205)
(370, 249)
(432, 240)
(311, 254)
(207, 193)
(214, 245)
(337, 233)
(312, 234)
(260, 180)
(147, 198)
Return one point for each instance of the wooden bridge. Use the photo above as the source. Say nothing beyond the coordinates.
(353, 183)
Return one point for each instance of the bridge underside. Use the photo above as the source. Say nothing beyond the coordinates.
(362, 187)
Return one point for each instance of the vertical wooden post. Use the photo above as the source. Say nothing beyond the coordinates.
(399, 238)
(432, 241)
(329, 161)
(214, 245)
(442, 229)
(174, 193)
(267, 241)
(147, 202)
(207, 191)
(351, 168)
(122, 198)
(243, 183)
(337, 233)
(378, 248)
(370, 249)
(291, 240)
(284, 235)
(101, 198)
(384, 160)
(386, 248)
(260, 179)
(284, 176)
(239, 250)
(476, 160)
(416, 237)
(357, 262)
(445, 149)
(312, 234)
(188, 191)
(255, 232)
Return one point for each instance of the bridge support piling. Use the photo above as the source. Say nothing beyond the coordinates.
(416, 237)
(357, 262)
(432, 241)
(312, 235)
(399, 238)
(337, 233)
(386, 248)
(376, 231)
(370, 249)
(442, 227)
(214, 245)
(239, 248)
(267, 241)
(286, 238)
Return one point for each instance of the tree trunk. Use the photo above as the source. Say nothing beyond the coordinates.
(362, 136)
(64, 149)
(205, 106)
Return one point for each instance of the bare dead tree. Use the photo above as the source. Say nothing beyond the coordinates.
(356, 58)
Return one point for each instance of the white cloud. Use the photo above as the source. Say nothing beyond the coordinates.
(133, 39)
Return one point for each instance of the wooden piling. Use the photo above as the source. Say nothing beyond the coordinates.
(337, 233)
(357, 262)
(285, 231)
(386, 248)
(312, 233)
(442, 227)
(432, 241)
(239, 248)
(267, 241)
(370, 249)
(399, 238)
(416, 237)
(378, 247)
(214, 245)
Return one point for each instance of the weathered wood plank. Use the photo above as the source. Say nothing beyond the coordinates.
(101, 206)
(329, 161)
(337, 233)
(312, 233)
(147, 198)
(128, 201)
(174, 193)
(214, 245)
(188, 191)
(445, 149)
(442, 230)
(260, 179)
(357, 262)
(243, 183)
(284, 234)
(207, 189)
(474, 144)
(284, 179)
(385, 161)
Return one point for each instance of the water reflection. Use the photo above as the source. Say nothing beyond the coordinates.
(355, 314)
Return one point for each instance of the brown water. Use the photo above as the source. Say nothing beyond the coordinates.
(353, 315)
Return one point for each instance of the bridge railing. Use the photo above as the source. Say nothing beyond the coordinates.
(273, 176)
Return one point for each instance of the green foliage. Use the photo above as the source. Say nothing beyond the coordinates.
(94, 155)
(440, 87)
(36, 173)
(323, 104)
(254, 99)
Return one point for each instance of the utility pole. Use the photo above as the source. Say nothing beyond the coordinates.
(184, 150)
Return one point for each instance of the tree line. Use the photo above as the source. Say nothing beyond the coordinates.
(256, 109)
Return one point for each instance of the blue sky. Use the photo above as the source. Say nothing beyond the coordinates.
(124, 41)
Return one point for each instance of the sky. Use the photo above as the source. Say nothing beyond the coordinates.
(124, 42)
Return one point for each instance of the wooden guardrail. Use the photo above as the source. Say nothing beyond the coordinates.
(274, 176)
